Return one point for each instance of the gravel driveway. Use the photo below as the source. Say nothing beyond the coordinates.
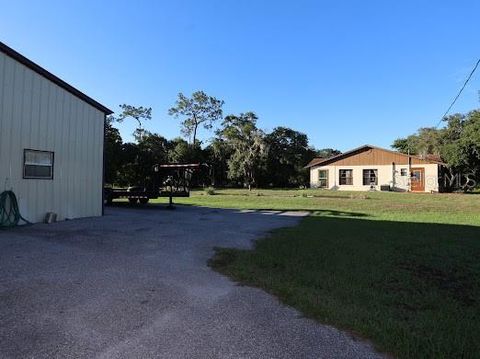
(135, 284)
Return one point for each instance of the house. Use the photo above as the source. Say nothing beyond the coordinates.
(373, 168)
(51, 141)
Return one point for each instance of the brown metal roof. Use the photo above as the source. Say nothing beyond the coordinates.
(41, 71)
(325, 161)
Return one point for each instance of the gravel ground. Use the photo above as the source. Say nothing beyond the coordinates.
(135, 284)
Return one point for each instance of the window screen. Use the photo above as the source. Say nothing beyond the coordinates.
(346, 177)
(370, 177)
(38, 164)
(323, 178)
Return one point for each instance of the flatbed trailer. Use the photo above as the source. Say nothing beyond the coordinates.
(133, 196)
(170, 180)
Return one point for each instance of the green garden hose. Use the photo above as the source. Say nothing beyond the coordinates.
(9, 211)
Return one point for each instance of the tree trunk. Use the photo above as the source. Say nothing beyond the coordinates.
(194, 135)
(195, 126)
(212, 176)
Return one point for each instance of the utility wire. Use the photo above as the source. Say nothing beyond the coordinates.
(459, 93)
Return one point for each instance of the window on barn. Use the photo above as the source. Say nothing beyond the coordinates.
(323, 178)
(346, 177)
(37, 164)
(403, 172)
(370, 177)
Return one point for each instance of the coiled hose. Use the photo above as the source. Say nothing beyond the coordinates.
(9, 211)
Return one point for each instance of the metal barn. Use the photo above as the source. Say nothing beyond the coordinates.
(51, 142)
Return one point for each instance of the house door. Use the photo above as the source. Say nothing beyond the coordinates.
(418, 180)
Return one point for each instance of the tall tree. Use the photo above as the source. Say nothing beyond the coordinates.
(461, 150)
(140, 114)
(405, 145)
(427, 141)
(198, 110)
(129, 173)
(181, 152)
(112, 151)
(217, 154)
(288, 153)
(327, 152)
(137, 159)
(248, 148)
(457, 144)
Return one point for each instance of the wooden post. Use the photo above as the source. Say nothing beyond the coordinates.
(170, 198)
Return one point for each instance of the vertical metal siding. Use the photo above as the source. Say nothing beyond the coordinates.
(36, 113)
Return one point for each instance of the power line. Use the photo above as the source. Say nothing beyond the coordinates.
(459, 93)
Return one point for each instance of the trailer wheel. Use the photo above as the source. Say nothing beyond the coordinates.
(144, 200)
(132, 200)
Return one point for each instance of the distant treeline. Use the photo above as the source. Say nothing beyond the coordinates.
(457, 144)
(239, 154)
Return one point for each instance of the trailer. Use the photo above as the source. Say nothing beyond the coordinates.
(169, 180)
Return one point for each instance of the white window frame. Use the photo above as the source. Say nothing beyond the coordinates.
(27, 163)
(320, 179)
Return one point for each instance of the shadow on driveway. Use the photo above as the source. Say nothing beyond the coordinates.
(135, 284)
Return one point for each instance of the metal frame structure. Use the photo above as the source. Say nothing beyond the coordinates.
(170, 180)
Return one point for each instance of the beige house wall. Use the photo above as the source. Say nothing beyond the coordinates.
(35, 113)
(387, 175)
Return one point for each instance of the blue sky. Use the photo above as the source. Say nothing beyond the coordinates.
(344, 72)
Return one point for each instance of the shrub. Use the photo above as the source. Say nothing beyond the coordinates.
(210, 191)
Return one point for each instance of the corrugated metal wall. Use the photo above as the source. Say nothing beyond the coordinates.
(37, 114)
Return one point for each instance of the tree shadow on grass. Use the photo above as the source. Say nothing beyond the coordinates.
(412, 288)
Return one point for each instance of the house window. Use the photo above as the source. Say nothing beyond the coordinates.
(370, 177)
(37, 164)
(403, 172)
(323, 178)
(346, 177)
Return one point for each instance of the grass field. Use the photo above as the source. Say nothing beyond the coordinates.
(402, 270)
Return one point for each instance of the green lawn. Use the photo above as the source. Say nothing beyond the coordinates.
(402, 270)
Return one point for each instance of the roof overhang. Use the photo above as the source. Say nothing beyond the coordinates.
(48, 75)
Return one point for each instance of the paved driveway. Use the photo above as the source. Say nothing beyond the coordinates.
(134, 284)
